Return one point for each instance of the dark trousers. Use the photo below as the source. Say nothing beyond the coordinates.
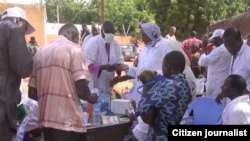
(8, 124)
(51, 134)
(6, 132)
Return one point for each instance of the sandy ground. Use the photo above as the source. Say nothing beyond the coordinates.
(117, 87)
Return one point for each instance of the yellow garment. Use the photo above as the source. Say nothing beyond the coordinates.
(170, 37)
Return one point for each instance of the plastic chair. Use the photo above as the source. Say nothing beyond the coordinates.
(206, 111)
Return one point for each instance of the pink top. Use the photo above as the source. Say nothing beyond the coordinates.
(186, 45)
(57, 67)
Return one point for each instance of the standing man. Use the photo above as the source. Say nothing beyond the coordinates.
(186, 44)
(239, 51)
(32, 46)
(171, 33)
(84, 32)
(218, 64)
(95, 30)
(58, 81)
(15, 63)
(102, 54)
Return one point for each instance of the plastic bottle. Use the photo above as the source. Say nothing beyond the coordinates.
(90, 110)
(113, 95)
(104, 100)
(96, 112)
(122, 93)
(108, 98)
(101, 101)
(96, 116)
(84, 106)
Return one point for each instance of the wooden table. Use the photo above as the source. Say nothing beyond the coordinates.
(114, 132)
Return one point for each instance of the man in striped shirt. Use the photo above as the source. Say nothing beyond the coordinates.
(58, 81)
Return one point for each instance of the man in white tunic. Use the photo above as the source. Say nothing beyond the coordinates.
(103, 54)
(95, 30)
(218, 63)
(239, 53)
(237, 111)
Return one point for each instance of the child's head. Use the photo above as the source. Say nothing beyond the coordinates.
(146, 76)
(173, 63)
(194, 48)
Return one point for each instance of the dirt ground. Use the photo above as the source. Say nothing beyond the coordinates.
(117, 87)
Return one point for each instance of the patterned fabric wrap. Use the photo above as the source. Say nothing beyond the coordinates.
(171, 97)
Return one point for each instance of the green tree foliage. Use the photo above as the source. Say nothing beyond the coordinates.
(248, 4)
(70, 11)
(184, 14)
(187, 15)
(125, 14)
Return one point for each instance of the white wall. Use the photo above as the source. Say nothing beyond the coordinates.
(53, 28)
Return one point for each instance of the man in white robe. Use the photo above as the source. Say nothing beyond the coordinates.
(237, 111)
(95, 30)
(218, 63)
(103, 54)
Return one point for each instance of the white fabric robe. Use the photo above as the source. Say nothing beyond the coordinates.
(151, 59)
(237, 111)
(95, 52)
(241, 64)
(218, 63)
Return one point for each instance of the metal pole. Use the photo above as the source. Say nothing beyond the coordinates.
(128, 30)
(45, 24)
(57, 11)
(124, 30)
(102, 12)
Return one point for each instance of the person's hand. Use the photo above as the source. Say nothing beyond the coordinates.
(108, 67)
(149, 118)
(115, 81)
(200, 76)
(122, 67)
(93, 98)
(131, 116)
(219, 98)
(33, 134)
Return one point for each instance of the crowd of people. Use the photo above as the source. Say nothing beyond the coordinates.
(69, 69)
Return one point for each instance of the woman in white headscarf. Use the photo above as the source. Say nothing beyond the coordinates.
(151, 57)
